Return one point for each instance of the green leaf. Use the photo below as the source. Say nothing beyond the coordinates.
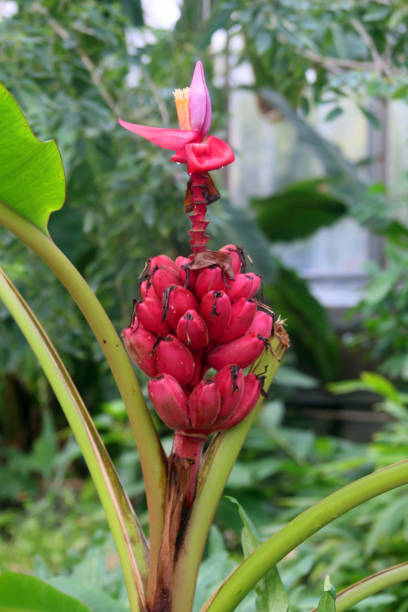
(270, 591)
(376, 13)
(381, 385)
(334, 113)
(272, 597)
(298, 211)
(97, 600)
(327, 601)
(24, 593)
(369, 381)
(32, 180)
(249, 536)
(371, 118)
(397, 233)
(381, 286)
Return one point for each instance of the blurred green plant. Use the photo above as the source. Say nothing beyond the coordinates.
(384, 315)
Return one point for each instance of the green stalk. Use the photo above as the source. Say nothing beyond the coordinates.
(355, 593)
(213, 476)
(267, 554)
(151, 453)
(123, 523)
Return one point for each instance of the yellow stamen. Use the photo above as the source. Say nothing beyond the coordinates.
(181, 100)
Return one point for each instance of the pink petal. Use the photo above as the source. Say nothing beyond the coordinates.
(212, 154)
(199, 102)
(162, 137)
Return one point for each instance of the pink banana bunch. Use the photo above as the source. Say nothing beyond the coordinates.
(193, 314)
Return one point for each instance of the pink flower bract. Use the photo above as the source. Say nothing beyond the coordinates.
(190, 145)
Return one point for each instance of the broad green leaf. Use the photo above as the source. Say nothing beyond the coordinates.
(327, 601)
(298, 211)
(32, 180)
(22, 593)
(270, 592)
(97, 600)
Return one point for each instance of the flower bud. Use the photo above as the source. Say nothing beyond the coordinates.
(176, 300)
(169, 401)
(187, 276)
(204, 404)
(262, 324)
(139, 344)
(244, 285)
(230, 381)
(192, 330)
(237, 255)
(242, 314)
(242, 351)
(215, 309)
(149, 313)
(210, 279)
(174, 358)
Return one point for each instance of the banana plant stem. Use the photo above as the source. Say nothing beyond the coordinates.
(152, 456)
(352, 595)
(218, 462)
(269, 553)
(125, 528)
(189, 447)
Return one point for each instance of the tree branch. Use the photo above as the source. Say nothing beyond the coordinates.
(379, 62)
(86, 60)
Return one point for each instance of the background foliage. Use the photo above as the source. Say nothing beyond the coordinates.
(74, 68)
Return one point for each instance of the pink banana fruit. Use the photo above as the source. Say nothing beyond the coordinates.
(252, 391)
(169, 401)
(243, 312)
(230, 381)
(204, 404)
(261, 324)
(140, 343)
(200, 367)
(176, 300)
(215, 309)
(187, 276)
(237, 255)
(242, 351)
(174, 358)
(245, 285)
(147, 290)
(149, 312)
(161, 261)
(192, 330)
(210, 279)
(163, 277)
